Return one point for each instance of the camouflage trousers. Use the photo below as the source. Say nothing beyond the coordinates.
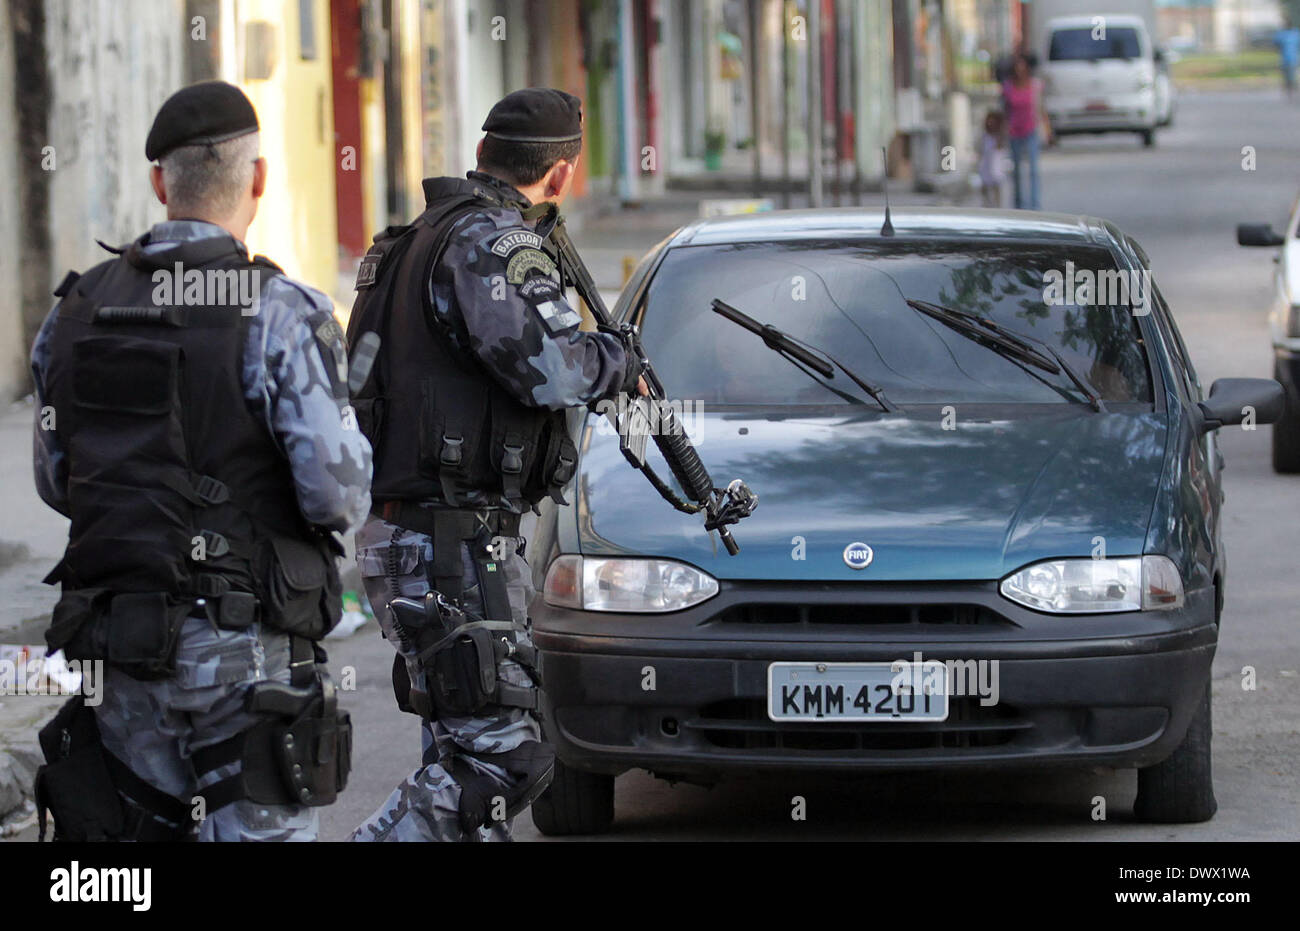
(425, 806)
(154, 727)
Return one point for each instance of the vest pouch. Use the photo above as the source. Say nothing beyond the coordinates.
(462, 676)
(513, 450)
(143, 631)
(557, 466)
(132, 523)
(301, 588)
(78, 626)
(451, 432)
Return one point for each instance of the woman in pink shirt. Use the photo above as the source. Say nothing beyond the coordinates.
(1022, 95)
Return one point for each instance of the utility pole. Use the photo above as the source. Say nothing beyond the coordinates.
(815, 103)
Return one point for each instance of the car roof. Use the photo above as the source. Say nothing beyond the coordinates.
(1075, 22)
(910, 223)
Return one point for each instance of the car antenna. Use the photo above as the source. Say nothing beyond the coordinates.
(887, 229)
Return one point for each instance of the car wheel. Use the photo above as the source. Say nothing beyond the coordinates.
(1148, 137)
(1286, 436)
(1180, 790)
(575, 803)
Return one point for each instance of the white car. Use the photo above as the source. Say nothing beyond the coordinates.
(1101, 74)
(1284, 328)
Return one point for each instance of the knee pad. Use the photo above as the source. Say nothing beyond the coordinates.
(483, 800)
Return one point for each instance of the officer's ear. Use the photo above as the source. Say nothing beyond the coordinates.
(156, 179)
(559, 179)
(259, 177)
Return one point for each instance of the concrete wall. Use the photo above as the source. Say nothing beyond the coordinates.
(13, 348)
(111, 65)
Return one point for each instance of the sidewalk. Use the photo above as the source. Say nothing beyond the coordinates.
(32, 537)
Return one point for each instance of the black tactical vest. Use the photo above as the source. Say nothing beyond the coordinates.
(175, 488)
(439, 424)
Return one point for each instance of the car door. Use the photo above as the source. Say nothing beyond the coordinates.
(1205, 461)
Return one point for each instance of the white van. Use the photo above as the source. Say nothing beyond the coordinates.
(1102, 74)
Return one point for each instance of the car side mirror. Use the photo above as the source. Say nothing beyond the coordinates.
(1159, 56)
(1258, 234)
(1234, 400)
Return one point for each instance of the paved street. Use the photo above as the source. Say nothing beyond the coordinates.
(1181, 200)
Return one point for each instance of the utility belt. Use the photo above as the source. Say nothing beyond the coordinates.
(138, 632)
(449, 528)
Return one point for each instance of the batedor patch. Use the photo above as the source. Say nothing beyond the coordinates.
(527, 260)
(557, 316)
(516, 239)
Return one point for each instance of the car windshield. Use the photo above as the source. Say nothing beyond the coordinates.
(1080, 45)
(850, 300)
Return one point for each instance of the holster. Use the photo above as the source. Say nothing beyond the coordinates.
(460, 659)
(300, 753)
(82, 786)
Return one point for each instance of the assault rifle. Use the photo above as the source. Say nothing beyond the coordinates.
(634, 421)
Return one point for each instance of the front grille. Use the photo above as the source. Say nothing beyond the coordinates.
(858, 614)
(743, 724)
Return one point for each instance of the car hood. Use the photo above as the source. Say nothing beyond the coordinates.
(974, 502)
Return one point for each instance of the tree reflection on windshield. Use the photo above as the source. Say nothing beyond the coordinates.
(849, 300)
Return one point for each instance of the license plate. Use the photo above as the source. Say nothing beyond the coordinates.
(1097, 105)
(857, 692)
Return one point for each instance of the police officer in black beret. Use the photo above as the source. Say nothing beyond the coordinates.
(204, 448)
(479, 356)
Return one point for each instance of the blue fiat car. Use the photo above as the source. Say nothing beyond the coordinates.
(988, 529)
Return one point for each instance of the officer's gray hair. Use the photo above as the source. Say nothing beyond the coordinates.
(210, 180)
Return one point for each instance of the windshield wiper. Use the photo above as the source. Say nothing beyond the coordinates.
(1011, 344)
(801, 354)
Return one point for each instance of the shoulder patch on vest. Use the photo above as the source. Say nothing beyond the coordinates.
(528, 260)
(367, 271)
(515, 240)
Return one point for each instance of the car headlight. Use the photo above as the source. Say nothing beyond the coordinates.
(1095, 586)
(628, 584)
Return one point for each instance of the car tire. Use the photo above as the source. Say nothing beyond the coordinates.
(575, 803)
(1286, 436)
(1148, 137)
(1180, 790)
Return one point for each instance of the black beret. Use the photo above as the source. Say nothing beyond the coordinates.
(536, 114)
(201, 114)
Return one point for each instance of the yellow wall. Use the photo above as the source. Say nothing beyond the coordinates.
(296, 223)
